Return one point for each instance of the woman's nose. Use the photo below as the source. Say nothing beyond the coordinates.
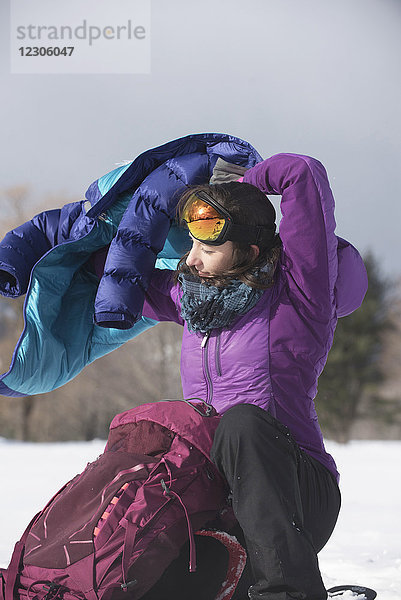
(192, 258)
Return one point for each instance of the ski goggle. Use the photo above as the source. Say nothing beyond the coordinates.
(211, 223)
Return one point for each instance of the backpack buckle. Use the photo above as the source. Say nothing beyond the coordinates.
(54, 590)
(166, 490)
(126, 586)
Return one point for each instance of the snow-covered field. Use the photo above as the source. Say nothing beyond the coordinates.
(365, 548)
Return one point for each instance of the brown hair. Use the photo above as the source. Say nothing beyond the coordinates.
(248, 206)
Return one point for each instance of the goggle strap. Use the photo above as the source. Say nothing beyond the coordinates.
(251, 234)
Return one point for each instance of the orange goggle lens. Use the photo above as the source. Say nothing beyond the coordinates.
(203, 220)
(207, 230)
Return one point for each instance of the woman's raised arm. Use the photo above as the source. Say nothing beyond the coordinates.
(307, 225)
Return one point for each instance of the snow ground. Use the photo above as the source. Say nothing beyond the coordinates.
(365, 548)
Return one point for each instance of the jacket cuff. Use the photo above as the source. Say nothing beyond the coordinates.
(114, 320)
(12, 284)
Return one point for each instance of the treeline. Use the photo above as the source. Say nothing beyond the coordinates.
(145, 369)
(359, 391)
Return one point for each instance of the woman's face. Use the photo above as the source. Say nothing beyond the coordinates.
(210, 260)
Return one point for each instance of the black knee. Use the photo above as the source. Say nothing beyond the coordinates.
(246, 425)
(245, 419)
(239, 422)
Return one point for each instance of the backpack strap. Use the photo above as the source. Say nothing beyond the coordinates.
(128, 548)
(208, 409)
(192, 552)
(3, 573)
(13, 569)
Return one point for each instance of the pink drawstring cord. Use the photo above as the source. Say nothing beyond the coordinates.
(192, 551)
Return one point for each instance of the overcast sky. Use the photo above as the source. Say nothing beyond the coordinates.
(318, 77)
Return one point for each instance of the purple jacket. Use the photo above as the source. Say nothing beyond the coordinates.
(273, 355)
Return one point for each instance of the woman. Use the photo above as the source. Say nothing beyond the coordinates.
(259, 313)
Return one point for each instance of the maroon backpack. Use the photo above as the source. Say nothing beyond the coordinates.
(117, 526)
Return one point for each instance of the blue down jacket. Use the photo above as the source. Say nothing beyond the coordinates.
(72, 318)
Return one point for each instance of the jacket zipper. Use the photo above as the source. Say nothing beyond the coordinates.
(206, 370)
(106, 219)
(217, 355)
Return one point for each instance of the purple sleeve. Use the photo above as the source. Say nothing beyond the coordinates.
(162, 298)
(307, 225)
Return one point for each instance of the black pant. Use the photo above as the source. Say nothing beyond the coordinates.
(286, 503)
